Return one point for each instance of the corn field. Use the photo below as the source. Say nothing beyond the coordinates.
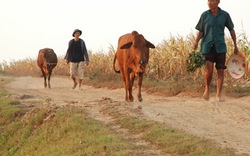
(167, 61)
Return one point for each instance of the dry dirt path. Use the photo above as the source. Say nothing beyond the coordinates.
(229, 127)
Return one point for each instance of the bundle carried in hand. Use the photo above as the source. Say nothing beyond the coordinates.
(195, 60)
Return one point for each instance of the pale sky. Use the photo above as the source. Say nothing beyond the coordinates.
(30, 25)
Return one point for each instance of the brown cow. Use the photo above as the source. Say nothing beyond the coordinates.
(132, 55)
(47, 60)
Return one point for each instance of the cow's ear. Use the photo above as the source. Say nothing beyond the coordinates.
(126, 46)
(149, 44)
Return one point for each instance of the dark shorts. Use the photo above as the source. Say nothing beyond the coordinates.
(218, 58)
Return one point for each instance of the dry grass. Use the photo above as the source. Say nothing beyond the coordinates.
(167, 66)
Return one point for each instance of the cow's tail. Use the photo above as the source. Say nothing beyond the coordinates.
(117, 71)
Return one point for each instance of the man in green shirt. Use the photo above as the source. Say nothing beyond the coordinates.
(211, 30)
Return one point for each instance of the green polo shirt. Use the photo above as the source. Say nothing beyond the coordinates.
(213, 30)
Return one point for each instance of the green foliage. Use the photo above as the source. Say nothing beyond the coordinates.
(195, 60)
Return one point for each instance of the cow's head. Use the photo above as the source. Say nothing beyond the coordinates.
(139, 51)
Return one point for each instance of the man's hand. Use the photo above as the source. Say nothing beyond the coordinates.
(195, 46)
(236, 50)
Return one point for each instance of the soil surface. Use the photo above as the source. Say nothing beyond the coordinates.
(228, 124)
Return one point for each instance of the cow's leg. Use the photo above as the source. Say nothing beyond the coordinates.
(130, 95)
(126, 92)
(129, 87)
(139, 83)
(124, 84)
(45, 81)
(49, 80)
(44, 77)
(132, 78)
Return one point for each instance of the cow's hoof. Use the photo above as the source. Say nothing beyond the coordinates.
(131, 99)
(140, 99)
(126, 99)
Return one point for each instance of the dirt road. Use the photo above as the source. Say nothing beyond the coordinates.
(229, 125)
